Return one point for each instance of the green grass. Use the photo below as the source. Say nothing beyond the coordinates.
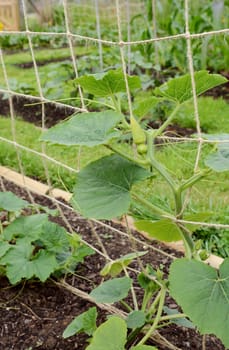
(28, 135)
(213, 114)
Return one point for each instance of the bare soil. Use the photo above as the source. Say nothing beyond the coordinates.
(33, 315)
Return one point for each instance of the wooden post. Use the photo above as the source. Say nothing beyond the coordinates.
(9, 15)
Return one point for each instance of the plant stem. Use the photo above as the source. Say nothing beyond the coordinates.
(146, 298)
(155, 164)
(157, 318)
(154, 304)
(195, 178)
(151, 206)
(127, 307)
(135, 302)
(188, 242)
(124, 155)
(172, 317)
(167, 122)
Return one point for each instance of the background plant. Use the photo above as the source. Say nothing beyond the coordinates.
(31, 246)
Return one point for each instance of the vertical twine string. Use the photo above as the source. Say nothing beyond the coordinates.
(154, 14)
(128, 36)
(191, 70)
(13, 126)
(98, 29)
(121, 47)
(69, 37)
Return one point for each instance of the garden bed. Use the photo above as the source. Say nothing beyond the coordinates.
(34, 315)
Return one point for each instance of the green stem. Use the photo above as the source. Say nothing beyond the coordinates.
(155, 164)
(157, 318)
(124, 155)
(188, 242)
(115, 103)
(151, 206)
(132, 336)
(127, 307)
(192, 180)
(153, 305)
(167, 122)
(172, 317)
(146, 298)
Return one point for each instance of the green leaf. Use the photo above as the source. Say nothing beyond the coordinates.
(219, 161)
(21, 263)
(184, 322)
(4, 247)
(10, 202)
(180, 89)
(86, 322)
(164, 229)
(135, 319)
(102, 188)
(198, 217)
(144, 347)
(87, 129)
(112, 290)
(203, 294)
(143, 106)
(110, 335)
(113, 268)
(54, 237)
(107, 84)
(146, 279)
(28, 227)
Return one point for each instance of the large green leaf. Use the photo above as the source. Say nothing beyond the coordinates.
(198, 217)
(28, 227)
(164, 229)
(180, 89)
(110, 335)
(102, 189)
(107, 84)
(4, 246)
(219, 161)
(112, 290)
(142, 107)
(203, 294)
(87, 129)
(54, 237)
(85, 322)
(10, 202)
(22, 263)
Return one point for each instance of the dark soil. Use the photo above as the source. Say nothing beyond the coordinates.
(33, 113)
(33, 315)
(41, 63)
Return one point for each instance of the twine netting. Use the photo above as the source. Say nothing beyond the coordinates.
(121, 16)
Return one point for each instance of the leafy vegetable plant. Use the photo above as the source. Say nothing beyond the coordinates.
(104, 190)
(33, 246)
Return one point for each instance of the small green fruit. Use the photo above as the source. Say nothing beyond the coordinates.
(142, 148)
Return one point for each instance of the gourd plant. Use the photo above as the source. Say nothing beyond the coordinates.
(104, 190)
(31, 246)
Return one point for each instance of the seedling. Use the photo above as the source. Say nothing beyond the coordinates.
(33, 246)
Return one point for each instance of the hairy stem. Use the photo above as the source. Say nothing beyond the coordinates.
(157, 317)
(167, 122)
